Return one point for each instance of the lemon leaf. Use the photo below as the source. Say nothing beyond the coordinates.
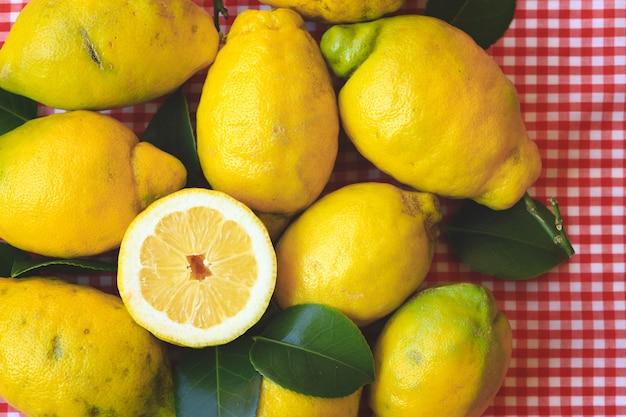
(217, 381)
(314, 350)
(219, 9)
(170, 130)
(15, 110)
(8, 256)
(484, 20)
(22, 267)
(15, 263)
(509, 244)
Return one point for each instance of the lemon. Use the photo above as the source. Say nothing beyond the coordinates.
(444, 352)
(71, 183)
(362, 249)
(73, 350)
(348, 11)
(425, 104)
(276, 401)
(94, 54)
(196, 268)
(267, 120)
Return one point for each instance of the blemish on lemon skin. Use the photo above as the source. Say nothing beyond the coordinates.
(412, 205)
(95, 411)
(415, 356)
(56, 350)
(91, 48)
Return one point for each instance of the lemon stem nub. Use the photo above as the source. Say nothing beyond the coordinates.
(199, 268)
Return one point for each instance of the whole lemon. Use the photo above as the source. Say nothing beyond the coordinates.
(71, 183)
(330, 11)
(276, 401)
(94, 54)
(361, 249)
(73, 350)
(428, 106)
(445, 352)
(267, 120)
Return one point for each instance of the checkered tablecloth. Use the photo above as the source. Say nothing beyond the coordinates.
(568, 61)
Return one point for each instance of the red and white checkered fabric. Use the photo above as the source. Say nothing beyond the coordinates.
(568, 61)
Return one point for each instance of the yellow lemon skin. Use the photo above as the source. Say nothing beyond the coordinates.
(333, 12)
(73, 350)
(428, 106)
(276, 401)
(71, 183)
(93, 54)
(445, 352)
(267, 120)
(362, 249)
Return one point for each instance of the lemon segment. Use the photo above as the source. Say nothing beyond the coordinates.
(197, 269)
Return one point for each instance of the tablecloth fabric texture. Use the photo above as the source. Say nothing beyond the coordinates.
(567, 59)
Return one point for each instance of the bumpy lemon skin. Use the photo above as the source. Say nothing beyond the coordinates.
(444, 352)
(362, 249)
(334, 12)
(276, 401)
(73, 350)
(267, 121)
(425, 104)
(72, 182)
(94, 54)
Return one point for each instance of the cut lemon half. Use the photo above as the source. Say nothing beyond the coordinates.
(196, 268)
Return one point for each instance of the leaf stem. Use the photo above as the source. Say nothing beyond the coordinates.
(218, 8)
(557, 231)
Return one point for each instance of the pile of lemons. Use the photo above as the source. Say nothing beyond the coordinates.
(198, 267)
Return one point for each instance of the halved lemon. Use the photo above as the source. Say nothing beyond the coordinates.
(196, 268)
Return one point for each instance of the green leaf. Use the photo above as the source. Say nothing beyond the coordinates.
(484, 20)
(15, 262)
(22, 267)
(15, 110)
(171, 131)
(8, 256)
(219, 8)
(314, 350)
(217, 382)
(510, 244)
